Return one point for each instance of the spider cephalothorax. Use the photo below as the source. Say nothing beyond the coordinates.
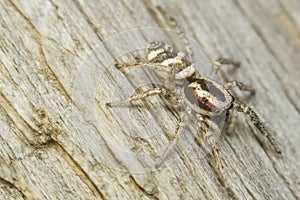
(207, 97)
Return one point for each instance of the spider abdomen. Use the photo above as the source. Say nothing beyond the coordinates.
(166, 56)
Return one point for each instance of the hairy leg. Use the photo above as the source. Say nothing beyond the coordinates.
(169, 95)
(155, 66)
(231, 84)
(230, 120)
(241, 107)
(171, 147)
(210, 132)
(217, 65)
(179, 30)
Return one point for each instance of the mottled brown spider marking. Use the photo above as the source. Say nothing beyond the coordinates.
(207, 97)
(210, 87)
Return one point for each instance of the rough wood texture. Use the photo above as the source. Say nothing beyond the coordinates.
(59, 141)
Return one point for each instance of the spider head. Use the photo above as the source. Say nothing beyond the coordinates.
(207, 97)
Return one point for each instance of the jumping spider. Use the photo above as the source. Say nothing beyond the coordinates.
(203, 97)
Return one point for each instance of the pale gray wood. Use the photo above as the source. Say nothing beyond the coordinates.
(60, 141)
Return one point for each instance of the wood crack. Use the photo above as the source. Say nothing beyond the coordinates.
(141, 189)
(11, 185)
(57, 84)
(15, 117)
(89, 21)
(80, 172)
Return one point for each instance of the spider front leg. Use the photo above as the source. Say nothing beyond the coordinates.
(220, 167)
(232, 112)
(241, 107)
(169, 95)
(230, 120)
(209, 132)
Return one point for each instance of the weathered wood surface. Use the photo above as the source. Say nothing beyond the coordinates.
(59, 141)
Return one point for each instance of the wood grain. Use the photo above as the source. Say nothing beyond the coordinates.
(60, 141)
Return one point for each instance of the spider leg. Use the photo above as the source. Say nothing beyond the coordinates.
(225, 61)
(240, 85)
(171, 147)
(230, 120)
(209, 133)
(155, 66)
(130, 64)
(219, 164)
(217, 65)
(179, 31)
(241, 107)
(169, 95)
